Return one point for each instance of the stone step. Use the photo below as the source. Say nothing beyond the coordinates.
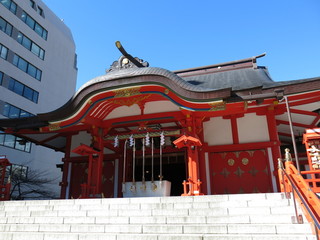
(161, 228)
(106, 236)
(247, 216)
(194, 205)
(218, 211)
(149, 220)
(214, 200)
(279, 219)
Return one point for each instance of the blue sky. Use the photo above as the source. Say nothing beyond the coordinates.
(179, 34)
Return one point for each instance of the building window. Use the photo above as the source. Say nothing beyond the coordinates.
(20, 63)
(37, 8)
(5, 26)
(75, 61)
(1, 78)
(24, 41)
(11, 5)
(3, 52)
(27, 67)
(30, 45)
(34, 25)
(40, 11)
(23, 90)
(32, 3)
(11, 141)
(11, 111)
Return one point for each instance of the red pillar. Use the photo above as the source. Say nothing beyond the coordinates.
(99, 168)
(97, 160)
(193, 164)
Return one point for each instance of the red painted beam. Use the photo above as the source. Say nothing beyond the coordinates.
(304, 96)
(303, 112)
(315, 121)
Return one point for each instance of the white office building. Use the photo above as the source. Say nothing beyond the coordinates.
(38, 72)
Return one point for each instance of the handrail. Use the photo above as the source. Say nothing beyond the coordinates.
(292, 181)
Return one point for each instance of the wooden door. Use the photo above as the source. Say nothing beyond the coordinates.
(108, 179)
(240, 172)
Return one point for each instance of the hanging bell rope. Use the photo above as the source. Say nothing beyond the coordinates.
(162, 141)
(147, 139)
(133, 144)
(134, 161)
(143, 186)
(124, 166)
(116, 142)
(154, 186)
(152, 161)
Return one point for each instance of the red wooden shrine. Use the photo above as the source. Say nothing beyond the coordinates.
(216, 129)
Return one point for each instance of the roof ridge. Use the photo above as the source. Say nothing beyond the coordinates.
(251, 59)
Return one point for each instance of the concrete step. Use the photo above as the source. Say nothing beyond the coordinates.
(217, 211)
(106, 236)
(244, 200)
(161, 228)
(240, 219)
(246, 216)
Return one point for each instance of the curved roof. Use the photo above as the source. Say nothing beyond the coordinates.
(201, 84)
(124, 78)
(195, 89)
(137, 77)
(133, 72)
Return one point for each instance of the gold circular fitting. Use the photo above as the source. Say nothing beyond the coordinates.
(245, 161)
(231, 162)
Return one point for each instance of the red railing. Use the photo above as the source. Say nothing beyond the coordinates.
(291, 181)
(314, 181)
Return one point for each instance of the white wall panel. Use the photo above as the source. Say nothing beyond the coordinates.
(217, 131)
(253, 128)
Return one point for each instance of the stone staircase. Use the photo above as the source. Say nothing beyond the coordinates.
(247, 216)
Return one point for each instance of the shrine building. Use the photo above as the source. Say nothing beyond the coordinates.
(147, 131)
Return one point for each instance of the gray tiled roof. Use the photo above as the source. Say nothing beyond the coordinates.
(132, 72)
(287, 83)
(236, 79)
